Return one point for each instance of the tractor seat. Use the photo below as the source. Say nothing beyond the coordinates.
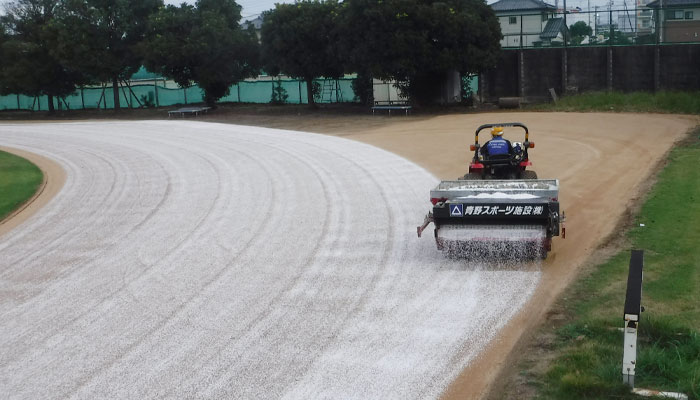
(500, 159)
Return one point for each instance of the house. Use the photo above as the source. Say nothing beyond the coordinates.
(554, 32)
(679, 20)
(256, 24)
(524, 21)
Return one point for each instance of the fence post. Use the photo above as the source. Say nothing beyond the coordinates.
(566, 27)
(657, 67)
(610, 68)
(18, 103)
(521, 74)
(564, 70)
(521, 31)
(155, 87)
(612, 31)
(300, 101)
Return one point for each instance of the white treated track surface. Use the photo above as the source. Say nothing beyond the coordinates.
(185, 259)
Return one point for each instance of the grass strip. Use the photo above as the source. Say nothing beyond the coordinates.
(19, 180)
(587, 361)
(662, 101)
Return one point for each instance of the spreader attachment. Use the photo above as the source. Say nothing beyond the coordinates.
(479, 216)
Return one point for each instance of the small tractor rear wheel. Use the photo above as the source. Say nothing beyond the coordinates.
(528, 175)
(471, 177)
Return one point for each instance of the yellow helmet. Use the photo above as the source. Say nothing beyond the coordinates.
(497, 131)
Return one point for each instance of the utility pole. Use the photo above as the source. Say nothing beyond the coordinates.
(595, 21)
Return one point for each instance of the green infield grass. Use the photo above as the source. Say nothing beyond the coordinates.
(19, 180)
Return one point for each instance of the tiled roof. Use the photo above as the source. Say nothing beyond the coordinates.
(552, 29)
(521, 5)
(674, 3)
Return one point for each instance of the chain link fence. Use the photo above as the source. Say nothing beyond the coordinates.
(161, 93)
(602, 25)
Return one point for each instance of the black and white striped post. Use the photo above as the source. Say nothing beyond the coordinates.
(633, 309)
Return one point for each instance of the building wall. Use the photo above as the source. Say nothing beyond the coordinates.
(532, 26)
(682, 30)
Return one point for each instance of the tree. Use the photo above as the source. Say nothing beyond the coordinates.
(300, 40)
(203, 44)
(417, 42)
(4, 83)
(29, 64)
(100, 38)
(579, 31)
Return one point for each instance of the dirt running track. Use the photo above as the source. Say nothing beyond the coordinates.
(191, 260)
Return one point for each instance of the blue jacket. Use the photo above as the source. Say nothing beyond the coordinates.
(497, 146)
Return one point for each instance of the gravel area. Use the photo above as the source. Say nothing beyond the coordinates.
(188, 259)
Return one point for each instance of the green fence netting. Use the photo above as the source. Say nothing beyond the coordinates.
(155, 93)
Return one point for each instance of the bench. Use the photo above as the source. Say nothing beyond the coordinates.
(391, 105)
(188, 111)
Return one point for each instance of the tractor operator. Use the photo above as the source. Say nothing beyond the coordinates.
(497, 145)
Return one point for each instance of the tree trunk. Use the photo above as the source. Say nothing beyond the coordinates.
(115, 89)
(50, 99)
(310, 92)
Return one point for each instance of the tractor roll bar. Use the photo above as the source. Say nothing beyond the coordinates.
(504, 124)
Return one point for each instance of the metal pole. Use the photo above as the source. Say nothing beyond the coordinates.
(612, 32)
(589, 13)
(155, 87)
(521, 31)
(566, 26)
(661, 21)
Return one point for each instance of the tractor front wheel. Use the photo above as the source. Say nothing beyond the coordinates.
(528, 175)
(471, 177)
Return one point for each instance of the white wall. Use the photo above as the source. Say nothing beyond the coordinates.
(532, 26)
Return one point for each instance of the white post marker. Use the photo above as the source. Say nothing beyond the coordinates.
(633, 308)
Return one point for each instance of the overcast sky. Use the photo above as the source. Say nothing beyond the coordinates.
(251, 8)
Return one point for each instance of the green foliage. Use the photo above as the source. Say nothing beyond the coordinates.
(363, 88)
(201, 44)
(316, 91)
(100, 38)
(279, 94)
(27, 48)
(416, 42)
(19, 180)
(300, 39)
(579, 31)
(580, 28)
(663, 101)
(147, 101)
(467, 92)
(589, 349)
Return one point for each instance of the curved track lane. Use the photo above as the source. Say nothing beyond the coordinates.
(185, 259)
